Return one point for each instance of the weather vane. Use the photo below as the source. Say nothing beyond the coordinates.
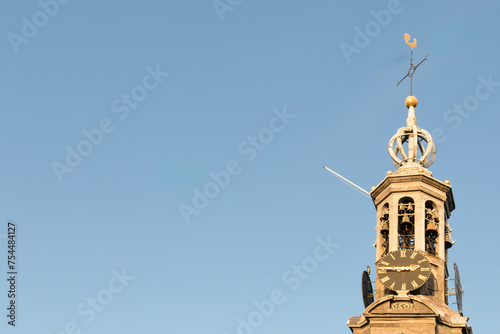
(412, 69)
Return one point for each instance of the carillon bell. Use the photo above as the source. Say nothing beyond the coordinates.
(435, 214)
(410, 207)
(428, 212)
(384, 229)
(448, 242)
(386, 213)
(405, 224)
(431, 229)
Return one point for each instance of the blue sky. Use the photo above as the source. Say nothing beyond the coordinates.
(114, 115)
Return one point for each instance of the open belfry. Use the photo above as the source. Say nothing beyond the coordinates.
(415, 284)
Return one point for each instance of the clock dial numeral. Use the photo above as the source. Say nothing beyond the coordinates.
(424, 269)
(384, 279)
(384, 263)
(422, 261)
(392, 256)
(403, 286)
(414, 284)
(413, 255)
(422, 277)
(403, 253)
(393, 285)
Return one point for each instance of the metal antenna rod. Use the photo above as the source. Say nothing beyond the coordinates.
(411, 75)
(364, 192)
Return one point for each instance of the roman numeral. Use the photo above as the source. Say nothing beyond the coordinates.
(392, 256)
(403, 286)
(384, 263)
(413, 255)
(414, 284)
(384, 279)
(393, 285)
(424, 269)
(403, 253)
(422, 277)
(422, 261)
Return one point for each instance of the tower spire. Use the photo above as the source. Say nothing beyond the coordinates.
(411, 137)
(412, 241)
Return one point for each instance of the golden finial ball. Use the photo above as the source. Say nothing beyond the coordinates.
(389, 172)
(447, 182)
(411, 101)
(373, 188)
(420, 170)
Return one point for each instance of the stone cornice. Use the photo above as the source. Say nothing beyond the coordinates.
(412, 183)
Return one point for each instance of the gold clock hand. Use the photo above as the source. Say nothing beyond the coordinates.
(399, 269)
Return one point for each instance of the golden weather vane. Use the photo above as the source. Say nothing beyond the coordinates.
(412, 68)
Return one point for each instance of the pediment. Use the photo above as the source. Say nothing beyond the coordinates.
(394, 306)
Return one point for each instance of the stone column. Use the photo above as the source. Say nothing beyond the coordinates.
(393, 224)
(419, 222)
(442, 232)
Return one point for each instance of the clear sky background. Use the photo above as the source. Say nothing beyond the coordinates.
(116, 210)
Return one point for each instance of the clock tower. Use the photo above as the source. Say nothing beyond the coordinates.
(413, 288)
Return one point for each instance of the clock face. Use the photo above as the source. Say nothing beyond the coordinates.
(403, 270)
